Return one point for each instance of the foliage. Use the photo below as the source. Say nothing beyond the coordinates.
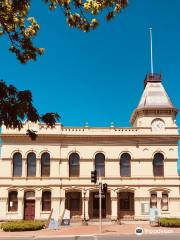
(21, 29)
(16, 106)
(170, 222)
(15, 226)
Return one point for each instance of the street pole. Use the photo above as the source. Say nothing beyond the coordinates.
(100, 205)
(84, 205)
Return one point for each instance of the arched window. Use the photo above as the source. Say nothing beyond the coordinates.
(153, 200)
(46, 201)
(125, 165)
(74, 165)
(13, 201)
(158, 165)
(100, 164)
(164, 202)
(45, 165)
(17, 165)
(31, 165)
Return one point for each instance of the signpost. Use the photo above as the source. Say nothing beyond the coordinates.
(102, 194)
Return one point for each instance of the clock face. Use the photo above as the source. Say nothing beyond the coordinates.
(158, 124)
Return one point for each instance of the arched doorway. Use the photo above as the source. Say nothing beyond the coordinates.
(29, 205)
(126, 205)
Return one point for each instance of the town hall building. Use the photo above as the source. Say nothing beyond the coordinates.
(138, 164)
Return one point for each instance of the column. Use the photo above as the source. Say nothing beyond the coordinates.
(159, 197)
(24, 167)
(55, 193)
(62, 202)
(114, 204)
(21, 204)
(3, 207)
(38, 168)
(38, 195)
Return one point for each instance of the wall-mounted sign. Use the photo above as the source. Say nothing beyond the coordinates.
(145, 208)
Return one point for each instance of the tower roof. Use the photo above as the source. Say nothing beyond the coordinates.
(154, 96)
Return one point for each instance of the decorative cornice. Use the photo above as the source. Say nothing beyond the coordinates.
(152, 111)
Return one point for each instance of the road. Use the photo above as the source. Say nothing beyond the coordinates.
(109, 237)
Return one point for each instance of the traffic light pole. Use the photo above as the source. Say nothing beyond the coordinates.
(100, 205)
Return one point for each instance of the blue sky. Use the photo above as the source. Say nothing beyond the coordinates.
(97, 77)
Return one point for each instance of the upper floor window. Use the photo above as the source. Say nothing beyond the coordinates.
(100, 164)
(17, 165)
(153, 200)
(12, 201)
(125, 165)
(158, 165)
(164, 202)
(45, 165)
(46, 201)
(31, 165)
(74, 165)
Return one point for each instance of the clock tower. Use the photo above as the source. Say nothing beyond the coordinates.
(155, 108)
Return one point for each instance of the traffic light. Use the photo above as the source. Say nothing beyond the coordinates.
(105, 187)
(94, 176)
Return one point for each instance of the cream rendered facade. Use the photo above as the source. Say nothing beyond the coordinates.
(153, 130)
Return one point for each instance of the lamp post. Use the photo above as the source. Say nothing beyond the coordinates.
(84, 212)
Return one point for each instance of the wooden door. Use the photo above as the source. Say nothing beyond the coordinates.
(29, 209)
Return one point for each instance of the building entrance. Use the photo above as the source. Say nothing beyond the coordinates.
(29, 206)
(126, 205)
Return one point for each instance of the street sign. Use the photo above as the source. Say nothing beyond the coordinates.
(97, 196)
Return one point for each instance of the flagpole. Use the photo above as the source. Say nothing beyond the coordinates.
(152, 67)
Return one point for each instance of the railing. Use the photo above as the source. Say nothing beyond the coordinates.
(153, 77)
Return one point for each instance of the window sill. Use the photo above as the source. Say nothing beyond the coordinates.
(12, 212)
(45, 212)
(165, 212)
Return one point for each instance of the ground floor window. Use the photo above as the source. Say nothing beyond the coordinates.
(153, 200)
(46, 201)
(13, 201)
(164, 202)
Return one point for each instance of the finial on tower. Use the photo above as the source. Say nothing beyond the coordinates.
(151, 43)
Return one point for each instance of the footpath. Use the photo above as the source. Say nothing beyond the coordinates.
(91, 230)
